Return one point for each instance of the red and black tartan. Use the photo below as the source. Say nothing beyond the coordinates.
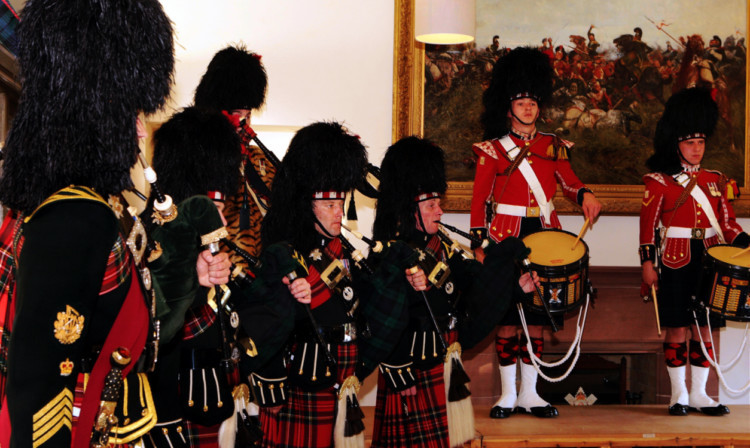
(202, 436)
(269, 424)
(307, 419)
(425, 425)
(197, 320)
(8, 231)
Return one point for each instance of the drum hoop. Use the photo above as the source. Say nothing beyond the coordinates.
(577, 262)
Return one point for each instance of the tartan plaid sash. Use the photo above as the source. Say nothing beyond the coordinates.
(8, 232)
(320, 291)
(197, 320)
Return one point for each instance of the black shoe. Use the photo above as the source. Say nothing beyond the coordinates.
(678, 409)
(498, 412)
(717, 410)
(548, 411)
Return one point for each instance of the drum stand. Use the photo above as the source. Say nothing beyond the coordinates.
(574, 346)
(720, 369)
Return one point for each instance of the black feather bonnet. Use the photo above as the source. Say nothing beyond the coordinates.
(195, 152)
(235, 79)
(87, 68)
(322, 157)
(689, 113)
(522, 73)
(412, 170)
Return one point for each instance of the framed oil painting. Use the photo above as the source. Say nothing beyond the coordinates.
(615, 65)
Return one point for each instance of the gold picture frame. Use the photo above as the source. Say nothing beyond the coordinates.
(408, 119)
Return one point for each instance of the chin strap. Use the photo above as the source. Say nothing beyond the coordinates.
(322, 227)
(531, 123)
(419, 217)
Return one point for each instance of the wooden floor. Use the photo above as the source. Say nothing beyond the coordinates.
(609, 426)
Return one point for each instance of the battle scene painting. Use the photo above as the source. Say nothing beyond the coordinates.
(615, 65)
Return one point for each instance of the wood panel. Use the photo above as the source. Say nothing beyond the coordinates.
(608, 426)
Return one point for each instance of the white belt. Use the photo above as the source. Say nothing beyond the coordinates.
(520, 210)
(696, 233)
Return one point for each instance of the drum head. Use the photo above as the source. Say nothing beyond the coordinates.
(727, 255)
(554, 248)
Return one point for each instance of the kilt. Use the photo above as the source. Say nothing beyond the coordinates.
(677, 286)
(307, 419)
(269, 424)
(202, 436)
(426, 424)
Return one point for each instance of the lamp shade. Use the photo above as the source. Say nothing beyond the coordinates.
(445, 22)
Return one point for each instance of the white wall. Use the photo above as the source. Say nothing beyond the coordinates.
(333, 60)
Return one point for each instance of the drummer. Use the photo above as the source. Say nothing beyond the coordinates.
(518, 169)
(693, 206)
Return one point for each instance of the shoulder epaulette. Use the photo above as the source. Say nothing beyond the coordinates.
(658, 177)
(70, 193)
(558, 148)
(487, 148)
(558, 140)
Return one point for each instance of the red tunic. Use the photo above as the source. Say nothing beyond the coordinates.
(659, 199)
(547, 156)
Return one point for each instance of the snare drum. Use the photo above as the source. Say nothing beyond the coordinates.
(725, 281)
(563, 269)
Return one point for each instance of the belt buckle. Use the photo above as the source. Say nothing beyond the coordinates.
(697, 233)
(532, 212)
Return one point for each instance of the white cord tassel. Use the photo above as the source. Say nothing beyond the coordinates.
(349, 390)
(460, 413)
(720, 369)
(575, 345)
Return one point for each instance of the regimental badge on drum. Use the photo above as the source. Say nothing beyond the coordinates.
(348, 293)
(69, 325)
(449, 288)
(554, 296)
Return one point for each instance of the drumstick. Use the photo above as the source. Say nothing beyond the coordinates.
(656, 309)
(580, 234)
(742, 252)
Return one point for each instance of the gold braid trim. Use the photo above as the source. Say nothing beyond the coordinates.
(52, 417)
(140, 427)
(67, 193)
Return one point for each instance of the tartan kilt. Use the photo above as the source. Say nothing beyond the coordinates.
(202, 436)
(307, 419)
(269, 424)
(426, 424)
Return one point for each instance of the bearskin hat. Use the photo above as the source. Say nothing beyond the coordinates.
(87, 68)
(195, 152)
(322, 157)
(413, 169)
(235, 79)
(689, 113)
(522, 73)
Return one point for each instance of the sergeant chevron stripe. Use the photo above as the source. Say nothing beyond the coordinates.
(53, 416)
